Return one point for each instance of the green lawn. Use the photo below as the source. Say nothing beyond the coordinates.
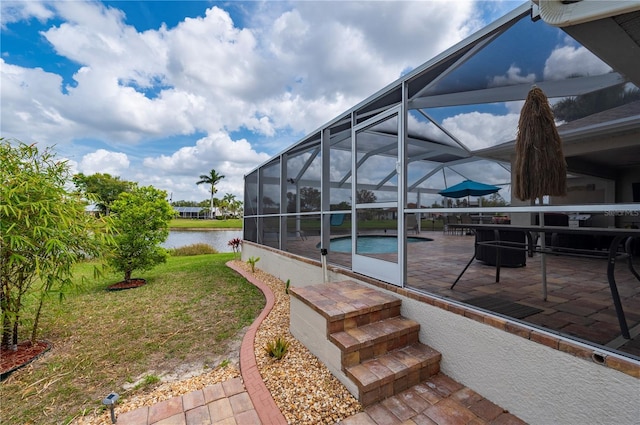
(187, 311)
(183, 223)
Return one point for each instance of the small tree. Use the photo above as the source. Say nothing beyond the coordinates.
(494, 200)
(102, 187)
(44, 231)
(141, 221)
(365, 196)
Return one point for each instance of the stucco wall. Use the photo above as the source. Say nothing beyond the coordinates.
(539, 384)
(308, 327)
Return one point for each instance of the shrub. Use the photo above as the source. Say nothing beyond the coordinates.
(193, 249)
(235, 245)
(44, 232)
(277, 348)
(252, 262)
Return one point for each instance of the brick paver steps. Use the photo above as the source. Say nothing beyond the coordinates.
(398, 378)
(380, 350)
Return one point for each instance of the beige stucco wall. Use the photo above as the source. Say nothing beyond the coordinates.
(539, 384)
(309, 327)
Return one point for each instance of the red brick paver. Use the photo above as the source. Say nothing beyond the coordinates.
(165, 409)
(264, 405)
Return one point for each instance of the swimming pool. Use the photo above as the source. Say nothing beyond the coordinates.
(371, 244)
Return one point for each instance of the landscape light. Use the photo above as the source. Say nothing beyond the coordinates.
(110, 401)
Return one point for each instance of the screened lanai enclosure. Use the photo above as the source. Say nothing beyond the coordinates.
(365, 186)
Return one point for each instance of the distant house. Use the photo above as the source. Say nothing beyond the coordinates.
(191, 212)
(197, 212)
(92, 209)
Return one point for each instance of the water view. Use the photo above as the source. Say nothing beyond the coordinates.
(218, 239)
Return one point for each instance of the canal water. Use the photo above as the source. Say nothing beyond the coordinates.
(218, 239)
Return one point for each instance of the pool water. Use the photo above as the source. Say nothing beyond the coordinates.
(371, 244)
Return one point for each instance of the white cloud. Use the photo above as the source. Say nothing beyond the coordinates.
(14, 11)
(103, 161)
(289, 70)
(295, 71)
(478, 130)
(513, 76)
(231, 158)
(571, 61)
(214, 149)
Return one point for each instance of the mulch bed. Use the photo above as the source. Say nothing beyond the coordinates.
(132, 283)
(10, 360)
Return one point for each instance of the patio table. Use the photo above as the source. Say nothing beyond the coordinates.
(619, 238)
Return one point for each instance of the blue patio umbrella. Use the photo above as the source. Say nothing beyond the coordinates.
(469, 188)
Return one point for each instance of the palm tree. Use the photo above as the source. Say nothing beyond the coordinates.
(213, 178)
(236, 208)
(228, 200)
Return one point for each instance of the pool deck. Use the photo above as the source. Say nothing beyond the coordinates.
(579, 303)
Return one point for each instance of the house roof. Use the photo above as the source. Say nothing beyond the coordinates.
(193, 210)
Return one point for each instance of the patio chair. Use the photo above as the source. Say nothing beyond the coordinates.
(295, 234)
(466, 219)
(337, 219)
(450, 219)
(270, 237)
(412, 223)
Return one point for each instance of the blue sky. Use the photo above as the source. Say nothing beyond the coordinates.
(160, 92)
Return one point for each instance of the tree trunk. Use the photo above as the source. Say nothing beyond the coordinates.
(127, 275)
(14, 342)
(6, 325)
(6, 333)
(5, 299)
(36, 321)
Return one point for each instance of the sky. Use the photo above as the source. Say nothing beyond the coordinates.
(161, 92)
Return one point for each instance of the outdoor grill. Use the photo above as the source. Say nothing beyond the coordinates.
(579, 220)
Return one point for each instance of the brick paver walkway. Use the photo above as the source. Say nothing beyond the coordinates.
(223, 403)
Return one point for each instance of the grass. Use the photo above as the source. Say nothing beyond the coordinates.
(184, 223)
(186, 313)
(147, 381)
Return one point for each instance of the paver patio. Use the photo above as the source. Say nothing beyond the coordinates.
(579, 302)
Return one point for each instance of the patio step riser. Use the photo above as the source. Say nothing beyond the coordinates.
(375, 339)
(394, 372)
(363, 317)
